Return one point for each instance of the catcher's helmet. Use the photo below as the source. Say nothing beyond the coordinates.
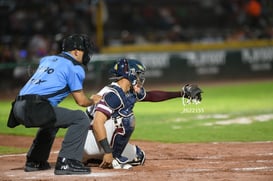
(79, 42)
(131, 69)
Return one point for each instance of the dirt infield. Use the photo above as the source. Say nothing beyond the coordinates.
(184, 161)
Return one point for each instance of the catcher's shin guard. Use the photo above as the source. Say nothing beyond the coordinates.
(122, 136)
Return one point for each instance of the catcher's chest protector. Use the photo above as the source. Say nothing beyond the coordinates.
(127, 100)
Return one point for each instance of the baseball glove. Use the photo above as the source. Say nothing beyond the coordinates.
(192, 92)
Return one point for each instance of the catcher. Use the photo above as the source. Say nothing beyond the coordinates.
(113, 120)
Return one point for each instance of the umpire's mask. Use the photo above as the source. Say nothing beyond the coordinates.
(79, 42)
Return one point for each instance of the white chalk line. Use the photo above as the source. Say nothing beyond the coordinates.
(50, 174)
(22, 154)
(253, 169)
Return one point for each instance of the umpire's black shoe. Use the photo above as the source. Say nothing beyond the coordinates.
(66, 166)
(32, 166)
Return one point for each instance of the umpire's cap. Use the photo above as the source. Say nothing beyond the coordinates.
(79, 42)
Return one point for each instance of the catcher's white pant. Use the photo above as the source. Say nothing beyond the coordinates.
(92, 149)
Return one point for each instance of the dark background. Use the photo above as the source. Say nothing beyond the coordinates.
(31, 29)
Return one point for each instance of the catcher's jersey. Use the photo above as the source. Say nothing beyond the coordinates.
(56, 77)
(116, 103)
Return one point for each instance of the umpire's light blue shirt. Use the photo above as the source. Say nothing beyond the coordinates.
(55, 73)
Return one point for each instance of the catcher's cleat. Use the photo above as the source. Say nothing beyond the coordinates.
(121, 163)
(122, 159)
(66, 166)
(32, 166)
(140, 158)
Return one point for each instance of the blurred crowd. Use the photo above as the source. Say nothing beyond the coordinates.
(191, 21)
(34, 28)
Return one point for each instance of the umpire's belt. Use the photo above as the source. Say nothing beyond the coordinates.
(30, 97)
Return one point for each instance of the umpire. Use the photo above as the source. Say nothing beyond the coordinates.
(36, 106)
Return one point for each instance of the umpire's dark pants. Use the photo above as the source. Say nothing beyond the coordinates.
(77, 123)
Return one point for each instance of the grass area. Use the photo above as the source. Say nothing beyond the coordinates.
(171, 121)
(8, 150)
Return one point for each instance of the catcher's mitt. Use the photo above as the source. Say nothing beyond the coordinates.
(192, 92)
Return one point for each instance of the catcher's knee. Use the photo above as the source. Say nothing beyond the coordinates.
(129, 124)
